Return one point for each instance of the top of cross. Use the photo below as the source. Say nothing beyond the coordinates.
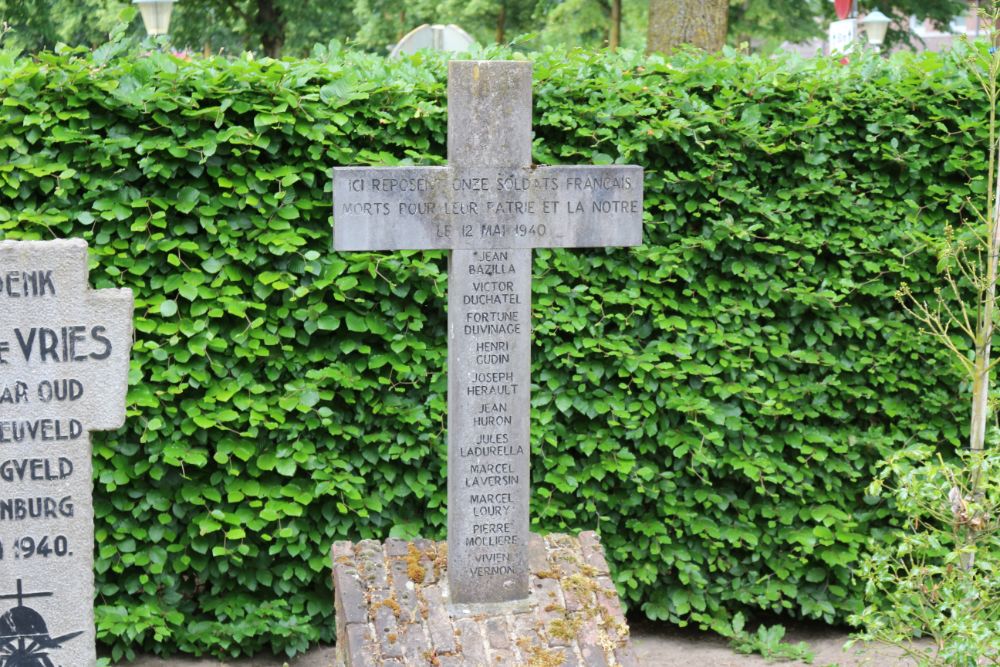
(489, 113)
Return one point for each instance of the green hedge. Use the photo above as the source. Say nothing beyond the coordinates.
(712, 402)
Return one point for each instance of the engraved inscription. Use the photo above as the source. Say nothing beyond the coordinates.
(451, 207)
(493, 316)
(63, 372)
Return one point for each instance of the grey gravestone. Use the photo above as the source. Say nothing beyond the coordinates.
(64, 358)
(437, 37)
(489, 206)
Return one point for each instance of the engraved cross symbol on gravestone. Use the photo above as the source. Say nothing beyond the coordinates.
(64, 358)
(490, 207)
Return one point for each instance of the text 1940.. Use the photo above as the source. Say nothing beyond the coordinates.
(23, 548)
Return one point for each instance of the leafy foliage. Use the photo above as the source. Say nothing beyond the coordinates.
(768, 642)
(713, 402)
(940, 578)
(40, 24)
(937, 577)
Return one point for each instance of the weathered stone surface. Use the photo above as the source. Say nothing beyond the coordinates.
(489, 113)
(607, 598)
(361, 649)
(439, 624)
(473, 646)
(490, 206)
(569, 659)
(351, 603)
(593, 552)
(396, 548)
(627, 657)
(416, 643)
(497, 633)
(577, 598)
(341, 550)
(536, 552)
(540, 631)
(403, 589)
(594, 658)
(552, 611)
(374, 572)
(388, 633)
(525, 630)
(64, 358)
(504, 658)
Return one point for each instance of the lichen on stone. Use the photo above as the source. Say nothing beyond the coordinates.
(388, 602)
(565, 628)
(540, 656)
(414, 570)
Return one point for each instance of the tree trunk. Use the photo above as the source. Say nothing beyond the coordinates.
(615, 33)
(502, 23)
(701, 23)
(271, 25)
(984, 330)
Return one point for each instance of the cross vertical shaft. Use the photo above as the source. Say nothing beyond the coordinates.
(489, 351)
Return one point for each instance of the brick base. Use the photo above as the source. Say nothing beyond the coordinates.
(392, 609)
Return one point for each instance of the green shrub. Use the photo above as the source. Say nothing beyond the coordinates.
(939, 579)
(714, 402)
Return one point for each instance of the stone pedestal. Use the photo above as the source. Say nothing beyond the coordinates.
(393, 609)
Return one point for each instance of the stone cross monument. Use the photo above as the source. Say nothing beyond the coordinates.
(64, 359)
(490, 207)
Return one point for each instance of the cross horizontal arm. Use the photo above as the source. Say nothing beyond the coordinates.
(399, 208)
(20, 595)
